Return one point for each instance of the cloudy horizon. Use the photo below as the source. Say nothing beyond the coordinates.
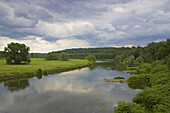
(51, 25)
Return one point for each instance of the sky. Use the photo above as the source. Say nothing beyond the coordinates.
(51, 25)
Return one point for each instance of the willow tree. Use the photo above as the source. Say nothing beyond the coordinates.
(16, 53)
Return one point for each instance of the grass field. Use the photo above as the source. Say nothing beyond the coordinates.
(38, 63)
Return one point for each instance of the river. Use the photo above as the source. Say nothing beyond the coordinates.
(78, 91)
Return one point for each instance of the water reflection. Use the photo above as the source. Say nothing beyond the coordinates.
(78, 91)
(16, 85)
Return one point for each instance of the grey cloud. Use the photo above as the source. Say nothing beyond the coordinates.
(111, 21)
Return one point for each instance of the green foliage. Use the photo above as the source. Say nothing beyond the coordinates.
(124, 107)
(119, 58)
(64, 57)
(144, 67)
(91, 58)
(140, 79)
(160, 78)
(159, 68)
(37, 55)
(17, 53)
(39, 72)
(154, 62)
(140, 59)
(168, 61)
(147, 99)
(52, 56)
(2, 55)
(131, 60)
(118, 77)
(154, 99)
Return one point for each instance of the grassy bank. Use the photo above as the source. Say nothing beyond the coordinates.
(53, 66)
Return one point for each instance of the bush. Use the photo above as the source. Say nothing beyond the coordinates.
(155, 99)
(64, 57)
(91, 58)
(145, 67)
(39, 72)
(128, 108)
(52, 56)
(159, 67)
(160, 78)
(118, 77)
(45, 73)
(140, 79)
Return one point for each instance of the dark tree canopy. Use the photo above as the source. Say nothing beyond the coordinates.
(17, 53)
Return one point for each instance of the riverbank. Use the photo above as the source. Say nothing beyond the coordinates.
(47, 67)
(116, 80)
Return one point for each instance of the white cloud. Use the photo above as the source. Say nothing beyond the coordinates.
(119, 9)
(137, 27)
(112, 35)
(38, 44)
(130, 45)
(63, 30)
(124, 27)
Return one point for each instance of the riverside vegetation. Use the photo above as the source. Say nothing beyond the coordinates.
(151, 65)
(153, 68)
(47, 66)
(19, 65)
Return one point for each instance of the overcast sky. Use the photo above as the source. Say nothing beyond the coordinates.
(50, 25)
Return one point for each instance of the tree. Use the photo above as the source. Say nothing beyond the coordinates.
(64, 57)
(1, 55)
(17, 53)
(131, 60)
(52, 56)
(91, 58)
(168, 62)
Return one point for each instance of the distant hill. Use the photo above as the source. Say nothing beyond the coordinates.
(100, 53)
(84, 50)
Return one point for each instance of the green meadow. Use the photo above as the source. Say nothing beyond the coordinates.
(10, 70)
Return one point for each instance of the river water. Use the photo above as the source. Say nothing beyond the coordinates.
(78, 91)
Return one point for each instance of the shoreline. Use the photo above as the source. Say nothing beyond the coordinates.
(39, 67)
(116, 80)
(43, 74)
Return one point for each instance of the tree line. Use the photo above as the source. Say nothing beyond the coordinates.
(153, 67)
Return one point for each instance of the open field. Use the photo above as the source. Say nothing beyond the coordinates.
(39, 63)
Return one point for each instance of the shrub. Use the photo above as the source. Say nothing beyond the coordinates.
(52, 56)
(140, 79)
(154, 99)
(39, 72)
(118, 77)
(91, 58)
(124, 107)
(159, 68)
(64, 57)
